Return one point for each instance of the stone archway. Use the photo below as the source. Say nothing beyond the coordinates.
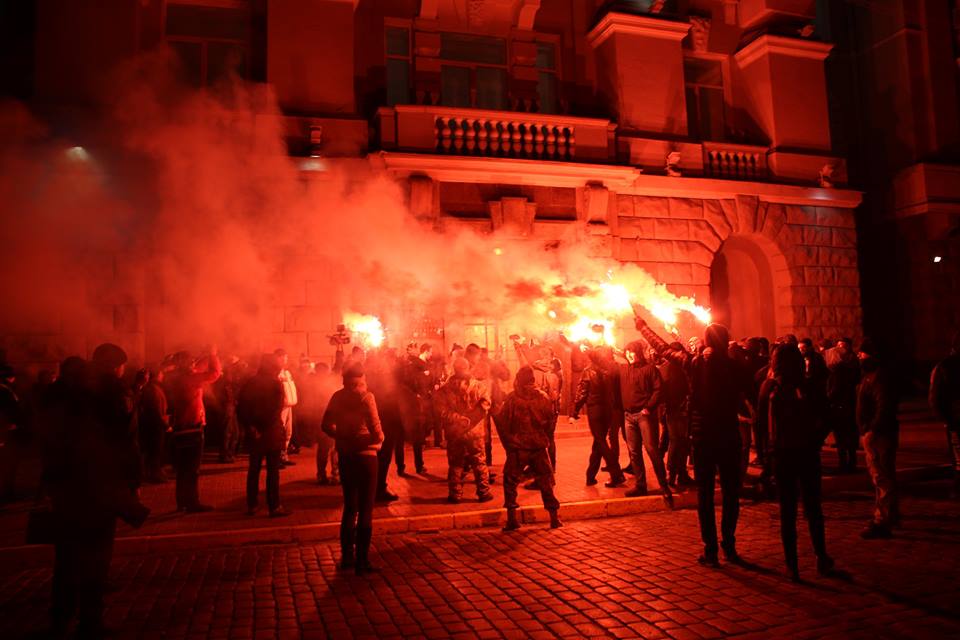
(743, 286)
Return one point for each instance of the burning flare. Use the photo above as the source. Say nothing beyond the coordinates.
(368, 330)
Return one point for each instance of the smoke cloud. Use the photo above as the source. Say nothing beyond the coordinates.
(178, 214)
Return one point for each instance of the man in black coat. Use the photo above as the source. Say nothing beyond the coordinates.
(259, 406)
(945, 401)
(718, 387)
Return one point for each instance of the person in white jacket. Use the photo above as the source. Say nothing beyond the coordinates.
(289, 402)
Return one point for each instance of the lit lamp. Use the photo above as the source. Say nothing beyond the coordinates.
(316, 140)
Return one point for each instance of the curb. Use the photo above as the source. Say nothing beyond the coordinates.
(28, 556)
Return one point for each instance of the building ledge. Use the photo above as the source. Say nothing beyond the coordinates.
(627, 180)
(794, 47)
(630, 24)
(927, 187)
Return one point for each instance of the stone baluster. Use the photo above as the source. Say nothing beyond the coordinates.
(571, 142)
(483, 136)
(538, 140)
(528, 148)
(444, 133)
(469, 136)
(550, 142)
(516, 139)
(457, 143)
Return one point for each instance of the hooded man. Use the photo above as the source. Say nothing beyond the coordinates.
(945, 402)
(877, 403)
(524, 424)
(463, 413)
(596, 392)
(718, 387)
(639, 396)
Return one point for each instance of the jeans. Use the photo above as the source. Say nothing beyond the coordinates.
(187, 454)
(392, 435)
(679, 447)
(881, 455)
(358, 479)
(538, 462)
(273, 479)
(642, 431)
(599, 422)
(286, 417)
(327, 453)
(793, 470)
(709, 457)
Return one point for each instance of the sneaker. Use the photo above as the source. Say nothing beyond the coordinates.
(636, 492)
(386, 496)
(709, 560)
(512, 525)
(280, 512)
(423, 471)
(592, 481)
(668, 500)
(453, 500)
(875, 531)
(487, 497)
(615, 482)
(730, 555)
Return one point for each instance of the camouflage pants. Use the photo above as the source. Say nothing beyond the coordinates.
(538, 462)
(463, 458)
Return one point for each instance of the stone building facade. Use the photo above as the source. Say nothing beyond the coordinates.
(692, 137)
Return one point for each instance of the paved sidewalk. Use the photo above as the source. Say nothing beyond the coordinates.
(632, 577)
(423, 497)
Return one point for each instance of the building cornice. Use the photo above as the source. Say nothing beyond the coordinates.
(625, 180)
(794, 47)
(629, 24)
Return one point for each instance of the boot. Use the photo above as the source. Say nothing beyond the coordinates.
(555, 522)
(347, 537)
(364, 535)
(512, 522)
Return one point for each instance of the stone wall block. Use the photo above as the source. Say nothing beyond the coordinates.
(651, 207)
(818, 236)
(713, 213)
(819, 276)
(675, 273)
(729, 208)
(791, 235)
(686, 208)
(625, 206)
(798, 313)
(600, 246)
(844, 238)
(803, 256)
(654, 250)
(627, 249)
(667, 229)
(797, 214)
(287, 293)
(774, 220)
(693, 252)
(834, 217)
(838, 257)
(700, 276)
(703, 232)
(821, 316)
(800, 296)
(747, 209)
(840, 296)
(847, 277)
(849, 319)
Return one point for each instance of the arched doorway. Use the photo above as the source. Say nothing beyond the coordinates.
(742, 289)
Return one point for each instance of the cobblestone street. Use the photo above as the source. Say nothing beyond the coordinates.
(619, 577)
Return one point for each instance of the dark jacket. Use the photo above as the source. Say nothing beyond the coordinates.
(595, 390)
(675, 386)
(842, 378)
(788, 414)
(152, 409)
(639, 387)
(352, 420)
(718, 386)
(877, 401)
(525, 421)
(945, 391)
(258, 411)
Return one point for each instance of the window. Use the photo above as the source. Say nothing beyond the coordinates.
(474, 73)
(211, 43)
(704, 92)
(398, 65)
(547, 77)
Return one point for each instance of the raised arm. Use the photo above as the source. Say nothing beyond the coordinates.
(659, 345)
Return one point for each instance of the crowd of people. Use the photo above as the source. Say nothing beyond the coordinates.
(705, 405)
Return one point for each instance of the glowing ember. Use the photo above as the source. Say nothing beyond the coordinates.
(498, 251)
(367, 329)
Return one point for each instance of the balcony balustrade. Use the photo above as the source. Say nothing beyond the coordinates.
(486, 133)
(734, 161)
